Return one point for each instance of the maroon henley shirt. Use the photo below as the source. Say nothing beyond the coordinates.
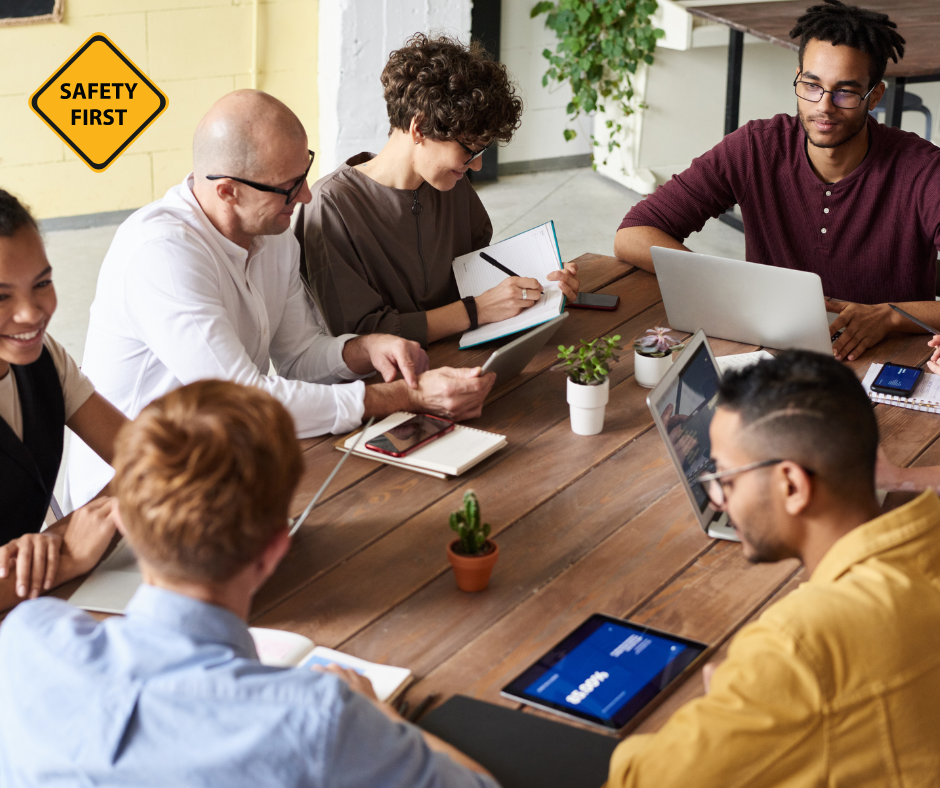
(872, 237)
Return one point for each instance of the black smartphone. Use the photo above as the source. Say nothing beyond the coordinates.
(410, 435)
(595, 301)
(897, 379)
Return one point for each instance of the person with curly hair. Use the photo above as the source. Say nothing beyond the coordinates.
(382, 231)
(827, 190)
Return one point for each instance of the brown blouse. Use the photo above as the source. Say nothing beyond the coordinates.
(378, 258)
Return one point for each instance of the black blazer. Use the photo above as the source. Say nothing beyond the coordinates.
(28, 467)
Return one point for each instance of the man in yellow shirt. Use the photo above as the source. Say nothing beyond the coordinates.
(837, 684)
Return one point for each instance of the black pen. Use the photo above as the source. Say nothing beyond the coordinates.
(914, 319)
(496, 264)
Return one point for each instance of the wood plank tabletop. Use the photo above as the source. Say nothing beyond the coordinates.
(918, 22)
(584, 525)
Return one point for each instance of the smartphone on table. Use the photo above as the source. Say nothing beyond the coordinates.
(897, 379)
(595, 301)
(410, 435)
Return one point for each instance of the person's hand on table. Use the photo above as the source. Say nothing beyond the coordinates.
(455, 394)
(708, 670)
(506, 299)
(567, 279)
(865, 325)
(933, 363)
(35, 558)
(388, 355)
(88, 534)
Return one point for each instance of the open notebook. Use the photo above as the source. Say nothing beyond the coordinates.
(534, 254)
(926, 395)
(449, 455)
(284, 649)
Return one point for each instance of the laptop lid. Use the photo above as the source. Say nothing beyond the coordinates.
(745, 302)
(682, 405)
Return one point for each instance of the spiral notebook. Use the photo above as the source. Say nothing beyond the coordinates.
(926, 396)
(534, 254)
(449, 455)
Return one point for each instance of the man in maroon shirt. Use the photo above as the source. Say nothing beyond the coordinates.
(830, 191)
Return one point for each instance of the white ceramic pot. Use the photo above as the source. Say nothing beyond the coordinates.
(588, 404)
(649, 370)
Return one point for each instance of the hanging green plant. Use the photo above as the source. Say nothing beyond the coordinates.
(600, 45)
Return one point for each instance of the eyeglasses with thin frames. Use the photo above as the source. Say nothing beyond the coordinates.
(714, 487)
(289, 194)
(474, 154)
(844, 99)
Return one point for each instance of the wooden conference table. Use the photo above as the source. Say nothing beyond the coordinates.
(584, 525)
(918, 22)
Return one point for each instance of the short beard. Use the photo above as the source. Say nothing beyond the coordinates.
(863, 122)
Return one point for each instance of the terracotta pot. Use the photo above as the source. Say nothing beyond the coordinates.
(472, 571)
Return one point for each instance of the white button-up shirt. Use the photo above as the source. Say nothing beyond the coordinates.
(177, 301)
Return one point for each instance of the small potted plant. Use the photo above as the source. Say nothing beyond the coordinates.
(588, 385)
(653, 355)
(471, 554)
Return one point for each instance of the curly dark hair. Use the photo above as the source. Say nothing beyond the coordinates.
(13, 215)
(848, 25)
(456, 92)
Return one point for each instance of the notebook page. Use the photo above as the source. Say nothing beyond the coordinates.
(451, 453)
(549, 306)
(533, 253)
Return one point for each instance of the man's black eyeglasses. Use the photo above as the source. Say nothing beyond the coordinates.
(474, 154)
(714, 487)
(289, 194)
(844, 99)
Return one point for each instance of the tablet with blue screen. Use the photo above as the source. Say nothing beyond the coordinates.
(607, 672)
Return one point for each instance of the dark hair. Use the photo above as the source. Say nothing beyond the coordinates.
(848, 25)
(808, 408)
(13, 215)
(457, 92)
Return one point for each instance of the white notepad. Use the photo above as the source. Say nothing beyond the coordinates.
(449, 455)
(533, 254)
(926, 396)
(740, 360)
(283, 649)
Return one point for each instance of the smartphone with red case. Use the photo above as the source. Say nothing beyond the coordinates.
(410, 435)
(595, 301)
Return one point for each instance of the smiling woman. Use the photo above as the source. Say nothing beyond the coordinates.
(41, 391)
(382, 231)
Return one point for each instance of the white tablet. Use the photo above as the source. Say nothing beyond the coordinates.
(511, 359)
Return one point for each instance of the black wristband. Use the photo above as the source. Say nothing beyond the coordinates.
(471, 306)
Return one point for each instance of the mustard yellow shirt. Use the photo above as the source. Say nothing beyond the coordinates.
(837, 684)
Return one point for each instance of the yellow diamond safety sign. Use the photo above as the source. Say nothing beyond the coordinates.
(98, 102)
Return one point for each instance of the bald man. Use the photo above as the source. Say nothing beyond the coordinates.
(205, 283)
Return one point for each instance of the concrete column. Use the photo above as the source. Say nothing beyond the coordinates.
(355, 39)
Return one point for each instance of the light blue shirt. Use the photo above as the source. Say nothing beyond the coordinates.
(173, 695)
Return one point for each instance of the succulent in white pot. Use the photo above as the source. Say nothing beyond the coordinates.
(653, 355)
(587, 369)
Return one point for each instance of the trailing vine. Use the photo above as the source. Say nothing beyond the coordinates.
(600, 45)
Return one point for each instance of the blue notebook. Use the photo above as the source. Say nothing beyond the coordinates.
(534, 254)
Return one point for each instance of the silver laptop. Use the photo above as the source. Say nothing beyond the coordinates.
(744, 302)
(509, 360)
(682, 405)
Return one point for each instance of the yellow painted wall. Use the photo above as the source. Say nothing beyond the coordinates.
(194, 50)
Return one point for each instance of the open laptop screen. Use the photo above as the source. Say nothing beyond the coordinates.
(686, 409)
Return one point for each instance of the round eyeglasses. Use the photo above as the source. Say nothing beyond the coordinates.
(289, 194)
(714, 486)
(844, 99)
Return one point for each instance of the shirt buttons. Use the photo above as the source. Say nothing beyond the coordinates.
(829, 194)
(825, 210)
(824, 230)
